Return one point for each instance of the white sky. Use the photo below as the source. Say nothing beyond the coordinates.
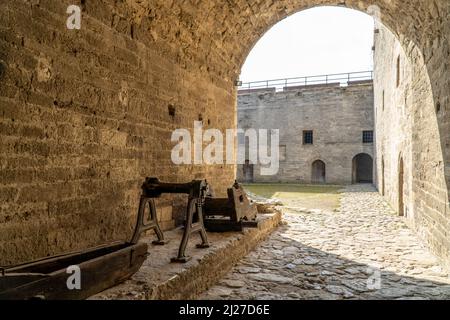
(317, 41)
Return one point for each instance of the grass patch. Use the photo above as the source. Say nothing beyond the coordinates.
(324, 197)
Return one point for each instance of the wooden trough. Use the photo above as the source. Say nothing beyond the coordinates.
(99, 268)
(47, 279)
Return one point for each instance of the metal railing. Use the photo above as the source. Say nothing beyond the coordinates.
(342, 79)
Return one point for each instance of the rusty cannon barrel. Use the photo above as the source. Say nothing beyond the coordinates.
(153, 188)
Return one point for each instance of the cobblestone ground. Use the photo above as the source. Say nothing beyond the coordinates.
(362, 251)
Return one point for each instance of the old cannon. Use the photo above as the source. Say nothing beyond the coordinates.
(197, 190)
(230, 214)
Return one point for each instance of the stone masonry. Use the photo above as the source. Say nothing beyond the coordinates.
(86, 114)
(337, 116)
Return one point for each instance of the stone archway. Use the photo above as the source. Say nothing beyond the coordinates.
(425, 75)
(426, 107)
(362, 165)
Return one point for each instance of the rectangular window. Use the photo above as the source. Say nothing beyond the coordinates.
(367, 136)
(308, 137)
(398, 71)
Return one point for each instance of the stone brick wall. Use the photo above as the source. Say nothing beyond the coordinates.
(336, 115)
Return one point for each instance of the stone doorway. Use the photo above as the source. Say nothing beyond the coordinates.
(362, 168)
(318, 172)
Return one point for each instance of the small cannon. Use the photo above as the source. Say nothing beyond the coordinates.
(230, 214)
(197, 190)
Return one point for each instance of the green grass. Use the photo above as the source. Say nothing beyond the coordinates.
(322, 197)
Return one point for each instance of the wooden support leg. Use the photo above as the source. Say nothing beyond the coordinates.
(152, 224)
(201, 229)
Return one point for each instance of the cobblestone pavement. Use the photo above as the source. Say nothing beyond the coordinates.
(362, 251)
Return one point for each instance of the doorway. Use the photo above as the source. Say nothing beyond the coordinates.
(362, 168)
(318, 172)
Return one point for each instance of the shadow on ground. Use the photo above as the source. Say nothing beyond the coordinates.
(297, 271)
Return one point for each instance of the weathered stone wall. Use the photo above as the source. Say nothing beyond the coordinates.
(336, 115)
(408, 130)
(393, 118)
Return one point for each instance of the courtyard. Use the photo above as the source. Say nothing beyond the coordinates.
(361, 250)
